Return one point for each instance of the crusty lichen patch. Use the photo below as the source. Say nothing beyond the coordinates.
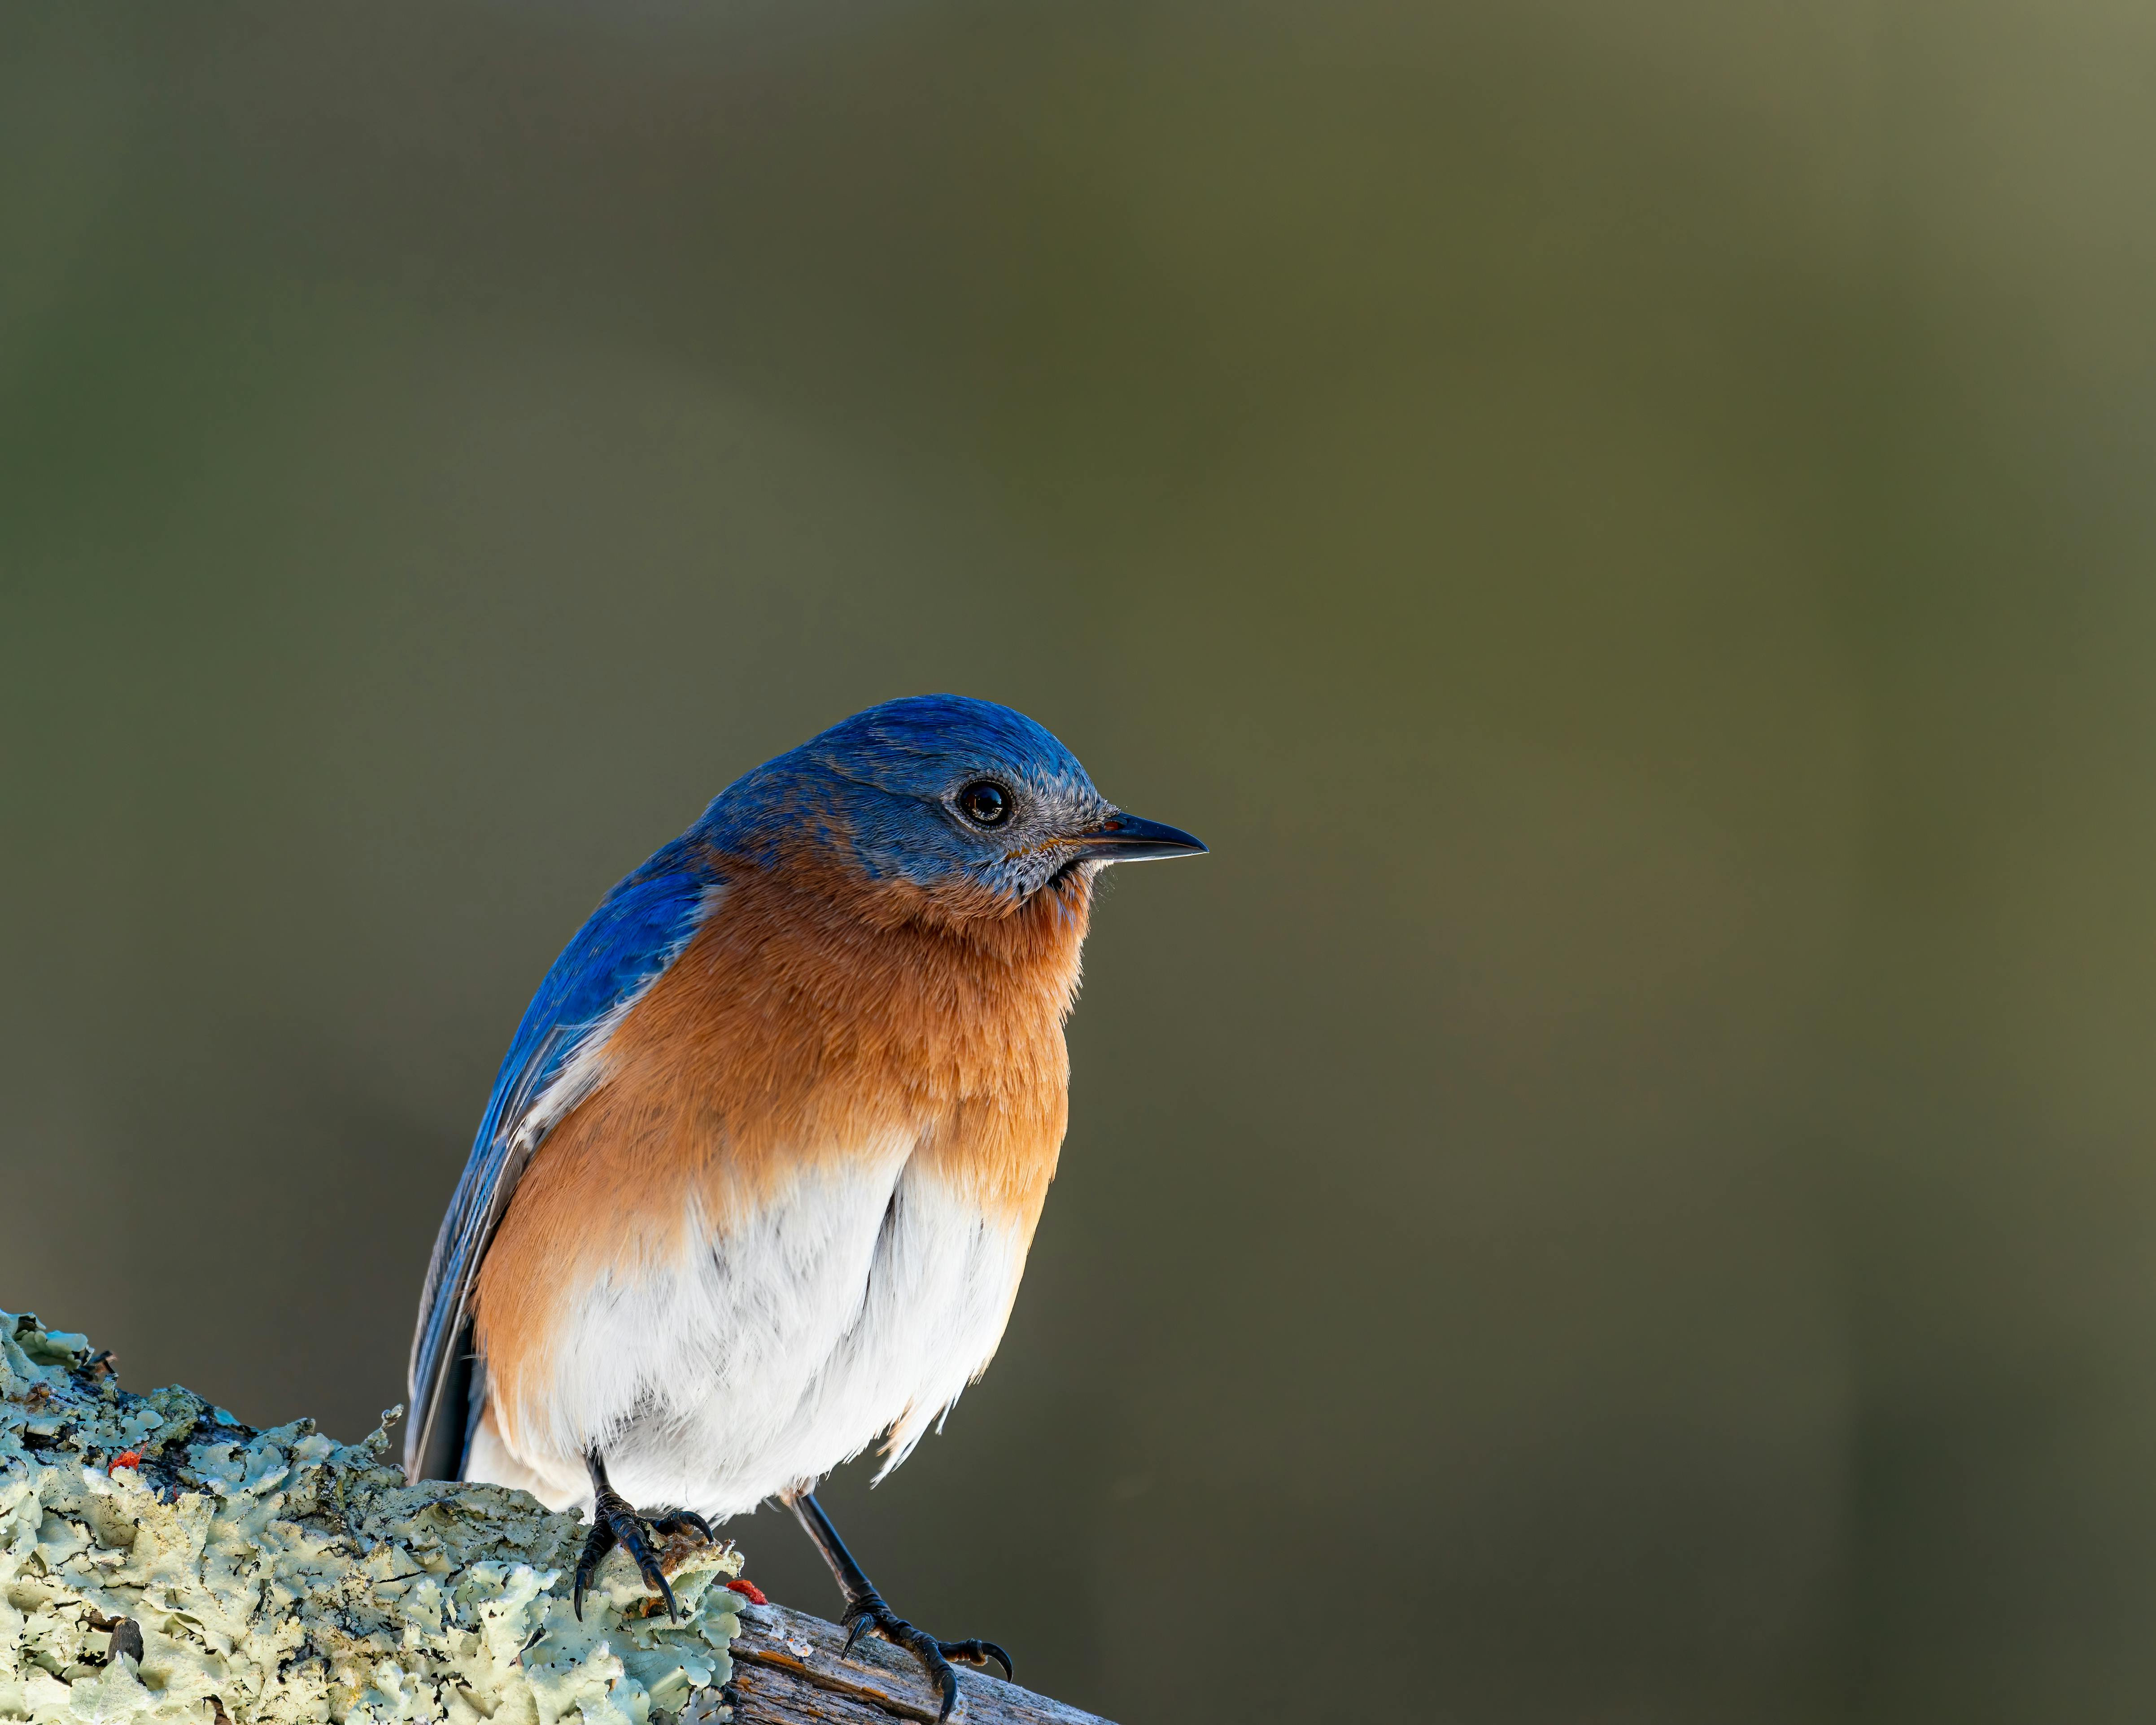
(277, 1576)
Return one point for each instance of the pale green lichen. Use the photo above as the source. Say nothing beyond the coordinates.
(281, 1578)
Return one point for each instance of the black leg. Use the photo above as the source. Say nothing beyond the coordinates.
(865, 1610)
(614, 1523)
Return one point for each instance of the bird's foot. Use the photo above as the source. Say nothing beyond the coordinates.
(869, 1612)
(615, 1522)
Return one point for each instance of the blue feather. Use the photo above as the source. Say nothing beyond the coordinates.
(639, 929)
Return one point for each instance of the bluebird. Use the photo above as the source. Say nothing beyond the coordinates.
(757, 1178)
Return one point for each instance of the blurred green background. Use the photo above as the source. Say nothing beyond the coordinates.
(1623, 1190)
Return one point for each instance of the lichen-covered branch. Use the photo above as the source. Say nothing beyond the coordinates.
(161, 1563)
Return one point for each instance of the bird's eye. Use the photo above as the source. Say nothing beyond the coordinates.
(985, 803)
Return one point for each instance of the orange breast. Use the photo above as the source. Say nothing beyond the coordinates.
(803, 1023)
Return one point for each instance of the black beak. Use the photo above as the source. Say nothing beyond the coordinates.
(1124, 838)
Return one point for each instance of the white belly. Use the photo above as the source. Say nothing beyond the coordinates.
(858, 1300)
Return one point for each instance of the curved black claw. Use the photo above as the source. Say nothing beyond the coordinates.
(615, 1522)
(978, 1652)
(870, 1612)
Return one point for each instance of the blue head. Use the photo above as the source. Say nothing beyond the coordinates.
(973, 804)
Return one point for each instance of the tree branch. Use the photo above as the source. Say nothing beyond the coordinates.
(161, 1563)
(788, 1670)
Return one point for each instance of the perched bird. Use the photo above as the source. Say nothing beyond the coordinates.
(757, 1178)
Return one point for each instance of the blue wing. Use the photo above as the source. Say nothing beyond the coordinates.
(639, 929)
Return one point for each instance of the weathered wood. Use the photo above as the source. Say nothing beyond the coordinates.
(788, 1670)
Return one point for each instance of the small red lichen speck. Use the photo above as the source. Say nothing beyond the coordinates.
(748, 1590)
(126, 1458)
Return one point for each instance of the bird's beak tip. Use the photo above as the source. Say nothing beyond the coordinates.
(1126, 837)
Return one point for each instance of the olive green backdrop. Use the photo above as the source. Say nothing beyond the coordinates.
(1624, 1188)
